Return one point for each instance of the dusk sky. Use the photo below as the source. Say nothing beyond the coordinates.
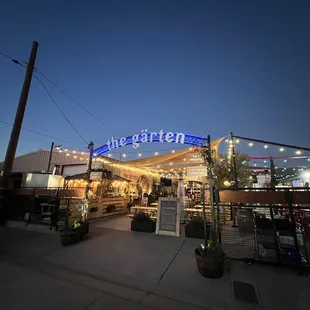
(199, 67)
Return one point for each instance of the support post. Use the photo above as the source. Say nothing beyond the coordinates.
(211, 189)
(204, 213)
(90, 160)
(12, 146)
(236, 185)
(234, 160)
(50, 158)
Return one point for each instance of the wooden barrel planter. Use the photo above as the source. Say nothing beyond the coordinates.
(210, 265)
(73, 235)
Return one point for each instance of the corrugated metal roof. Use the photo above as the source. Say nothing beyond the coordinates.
(38, 161)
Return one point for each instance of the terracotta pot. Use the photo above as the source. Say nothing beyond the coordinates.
(210, 265)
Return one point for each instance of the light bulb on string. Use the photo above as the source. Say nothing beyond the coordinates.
(265, 146)
(298, 152)
(251, 144)
(281, 149)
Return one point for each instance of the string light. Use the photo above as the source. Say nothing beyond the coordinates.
(265, 146)
(237, 141)
(124, 155)
(251, 144)
(281, 149)
(298, 152)
(156, 153)
(139, 154)
(173, 151)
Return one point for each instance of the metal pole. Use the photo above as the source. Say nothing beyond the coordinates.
(12, 146)
(234, 160)
(90, 160)
(50, 158)
(236, 185)
(204, 212)
(211, 188)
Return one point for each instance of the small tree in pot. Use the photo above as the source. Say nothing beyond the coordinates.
(210, 257)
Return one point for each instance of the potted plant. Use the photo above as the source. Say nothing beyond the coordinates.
(195, 228)
(210, 257)
(210, 260)
(142, 222)
(75, 233)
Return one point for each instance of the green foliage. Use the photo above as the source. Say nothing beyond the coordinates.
(141, 217)
(76, 224)
(222, 168)
(197, 218)
(212, 247)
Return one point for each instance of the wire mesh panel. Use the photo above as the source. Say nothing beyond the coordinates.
(266, 233)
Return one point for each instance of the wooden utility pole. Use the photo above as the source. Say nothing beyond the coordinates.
(12, 146)
(50, 158)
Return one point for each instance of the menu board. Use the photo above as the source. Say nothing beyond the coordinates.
(168, 217)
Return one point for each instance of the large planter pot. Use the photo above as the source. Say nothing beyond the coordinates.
(194, 229)
(143, 226)
(210, 265)
(70, 236)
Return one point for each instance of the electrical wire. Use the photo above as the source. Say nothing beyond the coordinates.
(37, 133)
(60, 110)
(12, 59)
(61, 90)
(76, 102)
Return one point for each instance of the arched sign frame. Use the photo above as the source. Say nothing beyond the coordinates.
(149, 137)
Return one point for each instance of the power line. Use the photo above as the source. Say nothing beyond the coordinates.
(59, 109)
(12, 59)
(61, 90)
(76, 102)
(37, 133)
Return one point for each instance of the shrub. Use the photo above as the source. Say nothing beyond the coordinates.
(141, 217)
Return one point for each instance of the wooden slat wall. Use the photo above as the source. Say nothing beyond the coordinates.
(102, 203)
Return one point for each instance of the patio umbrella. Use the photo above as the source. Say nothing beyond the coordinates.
(182, 198)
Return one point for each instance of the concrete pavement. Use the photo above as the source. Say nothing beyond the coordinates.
(130, 271)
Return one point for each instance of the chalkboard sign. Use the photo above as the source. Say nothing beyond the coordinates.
(168, 217)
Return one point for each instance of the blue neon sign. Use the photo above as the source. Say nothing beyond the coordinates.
(145, 137)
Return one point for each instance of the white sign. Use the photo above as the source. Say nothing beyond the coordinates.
(168, 217)
(145, 137)
(197, 171)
